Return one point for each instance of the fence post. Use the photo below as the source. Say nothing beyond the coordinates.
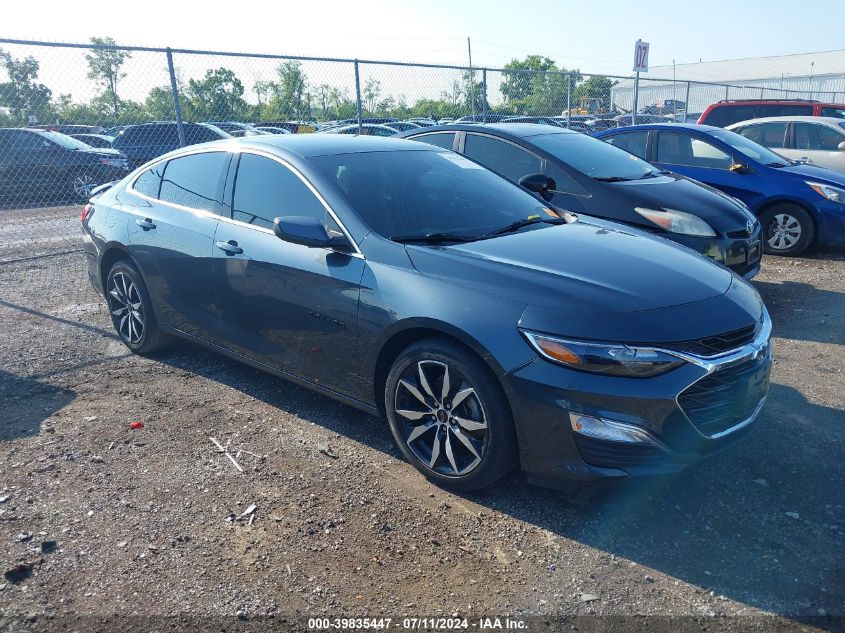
(180, 126)
(484, 95)
(568, 99)
(636, 98)
(686, 105)
(358, 97)
(727, 89)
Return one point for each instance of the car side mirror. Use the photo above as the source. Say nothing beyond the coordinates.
(841, 146)
(538, 183)
(739, 168)
(309, 232)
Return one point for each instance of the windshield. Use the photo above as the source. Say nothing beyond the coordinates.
(68, 142)
(593, 157)
(413, 192)
(749, 148)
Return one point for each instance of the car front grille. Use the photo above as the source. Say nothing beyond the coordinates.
(712, 345)
(727, 397)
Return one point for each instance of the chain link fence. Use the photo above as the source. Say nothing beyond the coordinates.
(73, 116)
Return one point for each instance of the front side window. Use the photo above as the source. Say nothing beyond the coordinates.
(812, 136)
(445, 140)
(193, 181)
(420, 192)
(766, 134)
(505, 158)
(680, 149)
(632, 142)
(564, 183)
(266, 190)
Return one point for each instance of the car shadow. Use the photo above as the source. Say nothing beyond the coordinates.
(27, 402)
(803, 312)
(721, 525)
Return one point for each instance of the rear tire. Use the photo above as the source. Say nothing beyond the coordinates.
(131, 309)
(449, 416)
(81, 185)
(787, 229)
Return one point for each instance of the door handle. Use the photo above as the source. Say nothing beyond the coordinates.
(145, 224)
(231, 247)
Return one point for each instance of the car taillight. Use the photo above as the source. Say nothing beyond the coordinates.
(86, 211)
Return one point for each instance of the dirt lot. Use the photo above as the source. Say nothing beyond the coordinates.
(107, 528)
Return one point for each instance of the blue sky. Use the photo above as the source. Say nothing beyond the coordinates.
(593, 36)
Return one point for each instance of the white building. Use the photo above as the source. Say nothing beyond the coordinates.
(818, 76)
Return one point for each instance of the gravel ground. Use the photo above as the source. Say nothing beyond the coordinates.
(104, 527)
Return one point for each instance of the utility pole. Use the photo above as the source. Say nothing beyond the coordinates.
(471, 80)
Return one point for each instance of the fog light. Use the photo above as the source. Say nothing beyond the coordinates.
(611, 431)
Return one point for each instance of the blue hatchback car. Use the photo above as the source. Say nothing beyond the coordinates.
(798, 205)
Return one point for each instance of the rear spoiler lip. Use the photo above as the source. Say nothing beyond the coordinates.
(104, 187)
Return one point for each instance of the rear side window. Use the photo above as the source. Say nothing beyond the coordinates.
(783, 109)
(766, 134)
(839, 113)
(149, 182)
(194, 181)
(632, 142)
(509, 160)
(724, 115)
(265, 190)
(445, 140)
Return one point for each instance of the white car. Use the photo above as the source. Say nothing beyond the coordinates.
(817, 140)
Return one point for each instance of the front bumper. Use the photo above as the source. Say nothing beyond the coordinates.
(691, 412)
(741, 254)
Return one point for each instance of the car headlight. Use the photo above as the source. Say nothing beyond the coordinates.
(611, 359)
(827, 191)
(677, 222)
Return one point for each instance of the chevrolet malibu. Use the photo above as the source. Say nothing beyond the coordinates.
(489, 330)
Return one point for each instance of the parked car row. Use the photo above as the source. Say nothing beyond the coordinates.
(491, 327)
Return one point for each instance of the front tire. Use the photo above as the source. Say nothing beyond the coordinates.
(787, 229)
(449, 415)
(131, 310)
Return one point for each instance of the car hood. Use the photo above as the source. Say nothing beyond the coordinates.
(677, 192)
(814, 173)
(595, 268)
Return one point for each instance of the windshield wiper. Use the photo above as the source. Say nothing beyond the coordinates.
(432, 238)
(612, 179)
(515, 226)
(780, 164)
(654, 173)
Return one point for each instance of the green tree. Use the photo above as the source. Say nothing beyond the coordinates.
(218, 95)
(104, 67)
(158, 105)
(22, 95)
(290, 98)
(370, 95)
(519, 85)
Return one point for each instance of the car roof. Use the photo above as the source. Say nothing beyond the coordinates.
(308, 145)
(828, 120)
(694, 127)
(512, 130)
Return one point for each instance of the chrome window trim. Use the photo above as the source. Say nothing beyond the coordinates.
(242, 150)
